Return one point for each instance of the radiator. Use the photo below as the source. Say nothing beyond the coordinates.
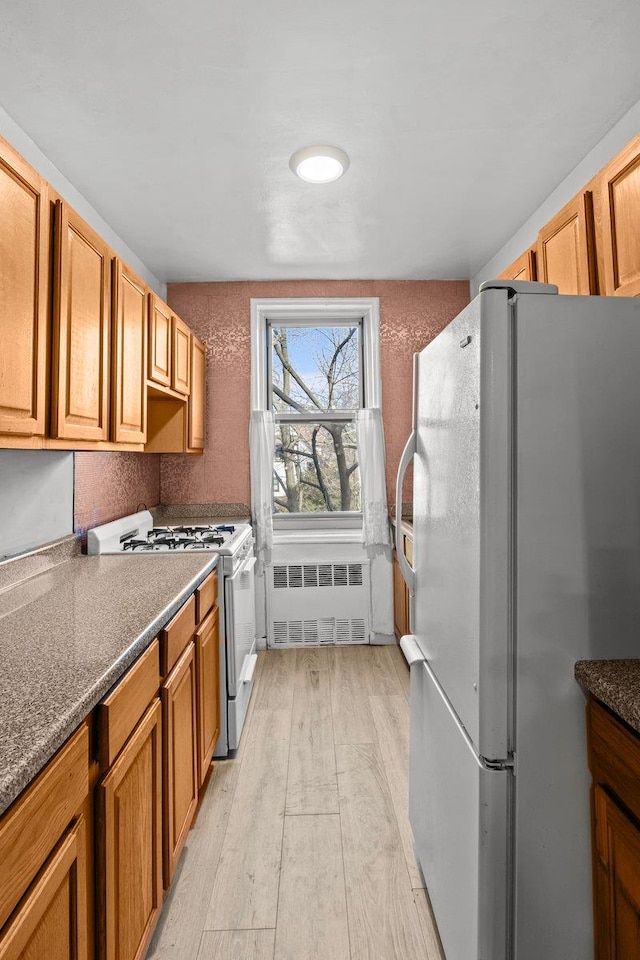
(312, 604)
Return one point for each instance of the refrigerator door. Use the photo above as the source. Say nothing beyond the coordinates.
(462, 484)
(578, 571)
(460, 814)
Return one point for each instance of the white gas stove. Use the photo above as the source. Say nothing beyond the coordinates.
(136, 536)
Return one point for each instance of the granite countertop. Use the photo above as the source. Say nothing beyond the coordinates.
(614, 682)
(67, 635)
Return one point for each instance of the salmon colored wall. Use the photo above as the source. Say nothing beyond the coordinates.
(111, 485)
(412, 312)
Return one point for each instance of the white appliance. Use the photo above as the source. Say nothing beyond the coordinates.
(526, 450)
(233, 542)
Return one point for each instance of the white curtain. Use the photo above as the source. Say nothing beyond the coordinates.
(261, 448)
(375, 518)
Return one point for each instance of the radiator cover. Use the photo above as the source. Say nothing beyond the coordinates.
(316, 604)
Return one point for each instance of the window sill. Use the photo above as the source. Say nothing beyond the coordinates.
(317, 535)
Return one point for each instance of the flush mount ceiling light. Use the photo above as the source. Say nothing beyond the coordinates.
(319, 164)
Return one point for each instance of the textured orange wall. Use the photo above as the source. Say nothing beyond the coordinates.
(412, 312)
(111, 485)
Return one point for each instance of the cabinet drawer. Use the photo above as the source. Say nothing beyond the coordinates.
(119, 713)
(37, 820)
(176, 635)
(206, 596)
(614, 755)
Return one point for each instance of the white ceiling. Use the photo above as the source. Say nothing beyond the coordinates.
(176, 120)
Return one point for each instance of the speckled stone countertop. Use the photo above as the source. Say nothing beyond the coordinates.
(616, 683)
(67, 636)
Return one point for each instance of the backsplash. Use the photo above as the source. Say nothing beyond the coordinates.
(36, 498)
(111, 485)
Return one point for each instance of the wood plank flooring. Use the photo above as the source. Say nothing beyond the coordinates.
(302, 848)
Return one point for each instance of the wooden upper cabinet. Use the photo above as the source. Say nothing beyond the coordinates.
(565, 250)
(160, 341)
(81, 330)
(620, 193)
(129, 356)
(24, 309)
(196, 412)
(524, 268)
(181, 375)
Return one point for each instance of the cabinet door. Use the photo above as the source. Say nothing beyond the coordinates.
(50, 923)
(159, 341)
(81, 322)
(617, 906)
(24, 276)
(620, 192)
(399, 600)
(195, 438)
(565, 248)
(180, 757)
(181, 370)
(208, 673)
(129, 396)
(524, 268)
(129, 844)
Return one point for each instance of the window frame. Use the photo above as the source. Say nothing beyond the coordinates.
(313, 312)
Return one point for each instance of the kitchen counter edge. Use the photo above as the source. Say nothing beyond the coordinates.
(616, 683)
(15, 780)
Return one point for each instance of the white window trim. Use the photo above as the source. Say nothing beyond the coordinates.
(322, 310)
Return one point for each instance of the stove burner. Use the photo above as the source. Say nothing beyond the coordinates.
(191, 531)
(137, 545)
(213, 538)
(226, 528)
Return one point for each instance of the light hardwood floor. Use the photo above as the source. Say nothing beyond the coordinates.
(302, 848)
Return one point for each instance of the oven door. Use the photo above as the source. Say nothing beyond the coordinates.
(239, 597)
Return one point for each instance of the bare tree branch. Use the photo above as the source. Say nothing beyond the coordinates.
(296, 376)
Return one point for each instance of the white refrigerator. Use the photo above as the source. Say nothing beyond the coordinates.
(526, 518)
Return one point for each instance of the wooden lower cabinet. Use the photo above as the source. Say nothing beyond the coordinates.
(129, 844)
(50, 922)
(207, 640)
(400, 601)
(614, 760)
(180, 757)
(617, 880)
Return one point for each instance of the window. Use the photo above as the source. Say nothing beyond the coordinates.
(315, 378)
(314, 365)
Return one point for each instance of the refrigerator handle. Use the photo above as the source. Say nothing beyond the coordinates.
(508, 763)
(407, 456)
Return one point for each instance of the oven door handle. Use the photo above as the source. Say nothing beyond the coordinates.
(249, 668)
(249, 564)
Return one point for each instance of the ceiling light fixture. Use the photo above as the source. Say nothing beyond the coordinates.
(319, 164)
